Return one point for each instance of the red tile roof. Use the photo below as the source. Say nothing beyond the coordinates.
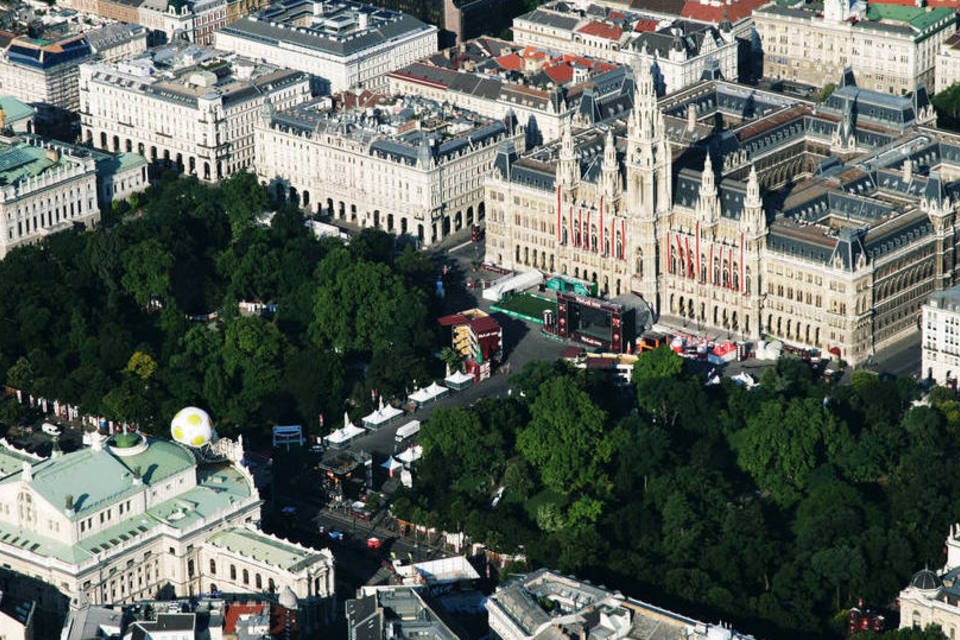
(645, 24)
(559, 73)
(601, 30)
(234, 611)
(708, 13)
(511, 62)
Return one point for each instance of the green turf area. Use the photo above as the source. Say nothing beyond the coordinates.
(526, 306)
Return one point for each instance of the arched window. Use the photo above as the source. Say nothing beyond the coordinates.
(639, 270)
(258, 581)
(246, 577)
(716, 270)
(213, 567)
(271, 587)
(233, 572)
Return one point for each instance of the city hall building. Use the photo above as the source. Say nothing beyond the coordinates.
(741, 212)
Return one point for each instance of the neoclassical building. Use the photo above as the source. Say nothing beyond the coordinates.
(113, 522)
(409, 166)
(821, 225)
(184, 106)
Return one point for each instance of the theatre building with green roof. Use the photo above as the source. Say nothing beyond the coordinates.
(116, 521)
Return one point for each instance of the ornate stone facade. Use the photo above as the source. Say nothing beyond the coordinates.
(748, 226)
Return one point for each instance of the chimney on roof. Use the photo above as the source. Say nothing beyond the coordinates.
(53, 154)
(27, 475)
(691, 117)
(907, 170)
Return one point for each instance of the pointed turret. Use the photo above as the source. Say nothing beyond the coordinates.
(610, 169)
(708, 205)
(753, 218)
(708, 184)
(568, 172)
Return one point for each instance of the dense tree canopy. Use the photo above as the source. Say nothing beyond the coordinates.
(775, 507)
(115, 320)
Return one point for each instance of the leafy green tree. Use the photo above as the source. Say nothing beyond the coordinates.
(947, 105)
(362, 306)
(20, 375)
(567, 439)
(826, 91)
(785, 441)
(142, 365)
(146, 272)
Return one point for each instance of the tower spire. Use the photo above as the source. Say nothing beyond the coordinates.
(567, 170)
(610, 169)
(708, 205)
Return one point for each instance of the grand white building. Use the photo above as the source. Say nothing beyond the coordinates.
(114, 522)
(409, 166)
(341, 43)
(184, 106)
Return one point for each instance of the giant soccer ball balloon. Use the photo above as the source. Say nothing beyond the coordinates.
(192, 427)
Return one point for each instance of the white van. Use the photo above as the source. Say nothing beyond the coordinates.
(408, 430)
(51, 429)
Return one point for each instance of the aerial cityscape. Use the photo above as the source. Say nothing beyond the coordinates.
(479, 319)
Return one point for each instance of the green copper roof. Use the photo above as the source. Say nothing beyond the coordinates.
(22, 161)
(96, 479)
(917, 17)
(219, 488)
(14, 110)
(11, 461)
(160, 460)
(264, 548)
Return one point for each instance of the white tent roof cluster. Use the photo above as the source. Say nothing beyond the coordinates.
(384, 414)
(426, 394)
(344, 434)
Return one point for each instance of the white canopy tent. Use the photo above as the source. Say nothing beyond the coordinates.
(343, 435)
(428, 394)
(381, 416)
(458, 380)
